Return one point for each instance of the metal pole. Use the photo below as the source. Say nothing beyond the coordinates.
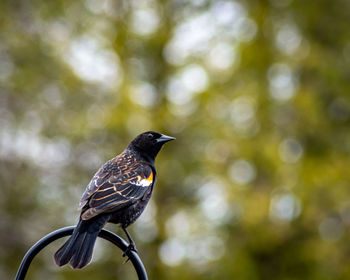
(57, 234)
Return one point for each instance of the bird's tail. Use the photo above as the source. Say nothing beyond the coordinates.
(77, 251)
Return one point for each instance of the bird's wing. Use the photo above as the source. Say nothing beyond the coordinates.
(116, 185)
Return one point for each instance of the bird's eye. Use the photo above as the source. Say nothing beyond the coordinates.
(150, 136)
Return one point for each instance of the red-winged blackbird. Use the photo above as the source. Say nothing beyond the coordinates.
(118, 193)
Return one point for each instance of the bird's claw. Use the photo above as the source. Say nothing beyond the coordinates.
(131, 247)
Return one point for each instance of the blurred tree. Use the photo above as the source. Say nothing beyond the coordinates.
(256, 93)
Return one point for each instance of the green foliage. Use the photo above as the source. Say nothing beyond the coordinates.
(256, 186)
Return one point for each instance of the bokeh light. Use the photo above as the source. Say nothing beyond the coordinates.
(255, 92)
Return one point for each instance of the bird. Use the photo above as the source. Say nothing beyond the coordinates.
(118, 193)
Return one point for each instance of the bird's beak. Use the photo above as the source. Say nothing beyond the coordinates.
(164, 138)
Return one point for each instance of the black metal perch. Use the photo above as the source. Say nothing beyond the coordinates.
(57, 234)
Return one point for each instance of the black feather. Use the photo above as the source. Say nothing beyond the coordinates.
(77, 251)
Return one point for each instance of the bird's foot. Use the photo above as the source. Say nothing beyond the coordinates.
(131, 247)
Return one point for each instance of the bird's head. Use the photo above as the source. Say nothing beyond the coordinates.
(150, 142)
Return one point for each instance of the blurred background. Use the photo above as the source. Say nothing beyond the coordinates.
(256, 186)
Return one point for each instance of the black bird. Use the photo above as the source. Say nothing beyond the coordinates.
(118, 193)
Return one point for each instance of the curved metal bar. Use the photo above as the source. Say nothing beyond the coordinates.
(57, 234)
